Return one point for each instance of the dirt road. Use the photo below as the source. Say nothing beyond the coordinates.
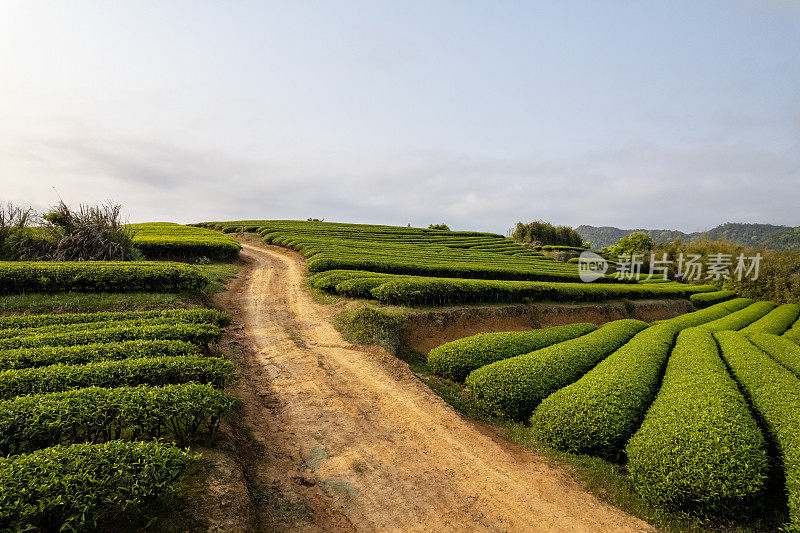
(372, 447)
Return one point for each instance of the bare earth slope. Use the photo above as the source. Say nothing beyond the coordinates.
(374, 448)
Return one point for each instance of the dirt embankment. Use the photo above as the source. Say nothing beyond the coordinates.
(426, 330)
(356, 439)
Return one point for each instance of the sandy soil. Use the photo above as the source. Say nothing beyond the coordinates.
(366, 444)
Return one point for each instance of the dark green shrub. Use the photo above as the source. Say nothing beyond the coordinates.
(97, 276)
(699, 448)
(100, 414)
(599, 412)
(211, 316)
(73, 488)
(512, 388)
(127, 372)
(93, 353)
(456, 359)
(195, 333)
(774, 393)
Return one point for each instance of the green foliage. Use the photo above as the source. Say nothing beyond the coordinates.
(166, 240)
(97, 414)
(442, 227)
(417, 290)
(98, 276)
(708, 314)
(599, 412)
(541, 232)
(187, 316)
(776, 321)
(793, 334)
(367, 325)
(511, 388)
(778, 275)
(698, 449)
(739, 319)
(195, 333)
(130, 372)
(704, 299)
(774, 392)
(781, 349)
(455, 360)
(73, 488)
(87, 302)
(93, 353)
(635, 243)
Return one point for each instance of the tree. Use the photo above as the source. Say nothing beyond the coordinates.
(635, 243)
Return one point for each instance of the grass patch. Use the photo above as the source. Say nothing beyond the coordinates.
(81, 302)
(321, 297)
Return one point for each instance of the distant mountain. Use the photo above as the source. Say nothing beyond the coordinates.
(766, 236)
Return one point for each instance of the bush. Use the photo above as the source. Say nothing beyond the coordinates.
(73, 488)
(90, 233)
(698, 449)
(127, 372)
(165, 240)
(740, 319)
(776, 321)
(599, 412)
(63, 329)
(793, 334)
(512, 388)
(97, 276)
(781, 349)
(212, 316)
(93, 353)
(704, 299)
(455, 360)
(194, 333)
(708, 314)
(774, 393)
(99, 414)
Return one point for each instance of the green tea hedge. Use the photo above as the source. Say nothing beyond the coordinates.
(699, 449)
(97, 414)
(511, 388)
(130, 372)
(599, 412)
(704, 299)
(195, 333)
(708, 314)
(781, 349)
(210, 316)
(776, 321)
(740, 319)
(455, 360)
(99, 276)
(93, 353)
(774, 392)
(64, 329)
(75, 488)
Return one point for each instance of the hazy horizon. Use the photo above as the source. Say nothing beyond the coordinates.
(475, 114)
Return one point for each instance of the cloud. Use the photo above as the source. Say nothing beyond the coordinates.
(638, 185)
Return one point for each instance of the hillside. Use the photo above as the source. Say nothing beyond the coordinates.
(766, 236)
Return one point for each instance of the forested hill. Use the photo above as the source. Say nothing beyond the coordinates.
(756, 235)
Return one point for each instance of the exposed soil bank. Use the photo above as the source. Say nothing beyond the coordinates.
(427, 329)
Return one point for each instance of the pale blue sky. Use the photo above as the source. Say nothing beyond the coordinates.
(636, 114)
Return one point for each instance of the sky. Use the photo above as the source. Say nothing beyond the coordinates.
(678, 114)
